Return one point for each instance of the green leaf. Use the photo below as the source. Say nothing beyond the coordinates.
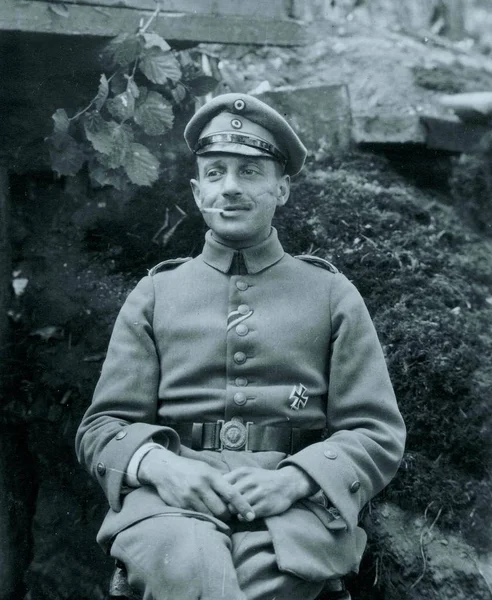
(61, 122)
(102, 92)
(119, 83)
(179, 93)
(159, 66)
(141, 166)
(124, 48)
(122, 138)
(155, 40)
(142, 94)
(133, 88)
(202, 85)
(122, 106)
(99, 132)
(100, 176)
(66, 155)
(154, 115)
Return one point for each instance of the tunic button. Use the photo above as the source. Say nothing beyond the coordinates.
(239, 358)
(355, 487)
(121, 434)
(241, 285)
(243, 309)
(241, 381)
(242, 329)
(240, 398)
(331, 454)
(101, 469)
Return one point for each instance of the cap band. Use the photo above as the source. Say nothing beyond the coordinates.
(245, 140)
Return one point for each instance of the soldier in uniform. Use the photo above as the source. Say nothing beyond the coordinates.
(244, 414)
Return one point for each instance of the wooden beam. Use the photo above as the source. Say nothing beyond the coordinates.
(383, 128)
(46, 17)
(321, 115)
(268, 9)
(453, 135)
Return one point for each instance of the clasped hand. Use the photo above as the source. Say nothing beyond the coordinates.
(248, 492)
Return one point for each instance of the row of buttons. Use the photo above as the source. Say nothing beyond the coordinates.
(332, 455)
(101, 467)
(240, 358)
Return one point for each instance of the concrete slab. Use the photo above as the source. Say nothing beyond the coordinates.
(321, 115)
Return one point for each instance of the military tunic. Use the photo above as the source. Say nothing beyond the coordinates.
(285, 343)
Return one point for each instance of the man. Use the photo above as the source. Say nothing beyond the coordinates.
(244, 413)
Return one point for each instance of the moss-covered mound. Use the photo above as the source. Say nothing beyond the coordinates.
(427, 280)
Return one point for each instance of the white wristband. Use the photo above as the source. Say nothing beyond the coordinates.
(131, 478)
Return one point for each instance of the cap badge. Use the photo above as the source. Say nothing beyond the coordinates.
(298, 396)
(236, 124)
(239, 105)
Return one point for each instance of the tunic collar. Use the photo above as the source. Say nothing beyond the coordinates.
(256, 258)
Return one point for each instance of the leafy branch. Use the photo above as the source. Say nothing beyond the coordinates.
(113, 135)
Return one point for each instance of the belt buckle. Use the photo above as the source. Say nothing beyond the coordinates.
(234, 434)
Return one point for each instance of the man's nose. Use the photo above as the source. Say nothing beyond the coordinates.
(231, 185)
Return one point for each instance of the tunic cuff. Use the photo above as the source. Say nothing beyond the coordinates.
(131, 476)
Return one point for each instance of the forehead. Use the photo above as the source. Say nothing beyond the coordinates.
(235, 160)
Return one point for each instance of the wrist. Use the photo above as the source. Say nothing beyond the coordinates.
(301, 484)
(146, 468)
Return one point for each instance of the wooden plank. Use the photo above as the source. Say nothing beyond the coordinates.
(38, 16)
(382, 128)
(321, 115)
(270, 9)
(453, 135)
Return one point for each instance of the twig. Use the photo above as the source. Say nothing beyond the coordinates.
(151, 18)
(369, 240)
(375, 582)
(422, 552)
(79, 114)
(482, 574)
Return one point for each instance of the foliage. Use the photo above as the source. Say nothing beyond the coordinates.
(115, 135)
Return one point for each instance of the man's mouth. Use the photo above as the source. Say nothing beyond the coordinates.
(236, 207)
(228, 210)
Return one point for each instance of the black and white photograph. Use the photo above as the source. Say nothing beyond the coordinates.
(246, 300)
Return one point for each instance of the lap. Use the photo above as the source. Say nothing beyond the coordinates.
(186, 557)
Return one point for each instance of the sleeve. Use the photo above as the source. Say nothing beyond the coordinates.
(122, 416)
(366, 431)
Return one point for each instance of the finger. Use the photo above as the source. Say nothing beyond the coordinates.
(214, 503)
(236, 474)
(200, 506)
(231, 496)
(245, 485)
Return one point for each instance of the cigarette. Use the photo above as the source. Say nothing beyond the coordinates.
(212, 210)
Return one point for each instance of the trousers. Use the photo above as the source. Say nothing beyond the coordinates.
(169, 557)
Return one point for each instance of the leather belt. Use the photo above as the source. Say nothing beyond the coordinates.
(236, 435)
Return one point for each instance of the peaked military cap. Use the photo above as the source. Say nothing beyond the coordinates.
(242, 124)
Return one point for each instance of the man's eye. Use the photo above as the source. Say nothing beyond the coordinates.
(213, 173)
(250, 171)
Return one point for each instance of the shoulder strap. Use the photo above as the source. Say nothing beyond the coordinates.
(318, 262)
(167, 265)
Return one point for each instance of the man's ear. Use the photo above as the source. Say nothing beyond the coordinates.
(195, 188)
(283, 190)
